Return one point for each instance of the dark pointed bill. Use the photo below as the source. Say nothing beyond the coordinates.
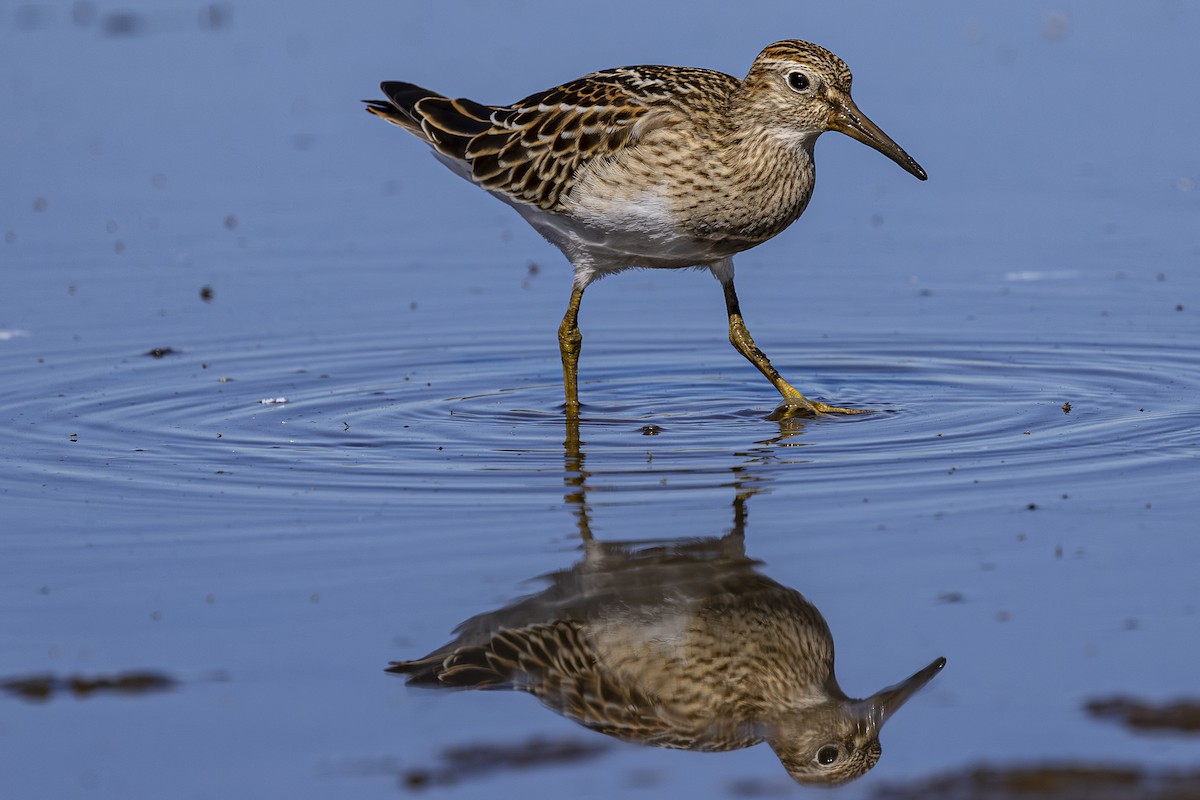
(852, 122)
(884, 703)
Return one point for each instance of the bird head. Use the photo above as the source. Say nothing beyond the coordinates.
(800, 90)
(838, 739)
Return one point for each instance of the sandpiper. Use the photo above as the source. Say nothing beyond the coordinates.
(654, 166)
(677, 645)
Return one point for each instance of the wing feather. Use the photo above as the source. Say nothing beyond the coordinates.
(531, 151)
(554, 662)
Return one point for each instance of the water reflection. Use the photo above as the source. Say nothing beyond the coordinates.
(679, 644)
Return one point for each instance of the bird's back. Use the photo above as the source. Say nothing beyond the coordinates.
(531, 152)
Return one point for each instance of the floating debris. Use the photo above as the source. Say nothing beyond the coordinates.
(41, 688)
(1051, 781)
(1181, 716)
(477, 760)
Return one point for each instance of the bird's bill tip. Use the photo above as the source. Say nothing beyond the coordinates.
(849, 120)
(884, 703)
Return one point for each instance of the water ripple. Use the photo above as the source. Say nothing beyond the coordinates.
(343, 416)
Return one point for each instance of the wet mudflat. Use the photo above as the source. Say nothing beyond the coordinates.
(282, 404)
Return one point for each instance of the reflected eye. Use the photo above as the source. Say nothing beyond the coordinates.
(828, 754)
(798, 81)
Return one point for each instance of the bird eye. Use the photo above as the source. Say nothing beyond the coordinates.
(827, 755)
(798, 81)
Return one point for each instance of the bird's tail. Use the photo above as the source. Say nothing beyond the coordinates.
(464, 668)
(400, 107)
(419, 671)
(510, 658)
(448, 124)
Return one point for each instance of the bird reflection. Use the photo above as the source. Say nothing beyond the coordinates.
(679, 644)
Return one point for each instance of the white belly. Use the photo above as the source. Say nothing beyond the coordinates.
(609, 235)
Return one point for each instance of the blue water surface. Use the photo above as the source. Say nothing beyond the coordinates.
(351, 438)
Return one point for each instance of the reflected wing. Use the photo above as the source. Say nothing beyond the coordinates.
(555, 663)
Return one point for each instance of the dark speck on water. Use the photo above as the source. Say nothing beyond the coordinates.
(215, 16)
(123, 23)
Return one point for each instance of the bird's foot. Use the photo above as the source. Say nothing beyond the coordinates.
(800, 406)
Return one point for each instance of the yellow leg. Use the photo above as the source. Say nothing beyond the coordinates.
(569, 341)
(794, 403)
